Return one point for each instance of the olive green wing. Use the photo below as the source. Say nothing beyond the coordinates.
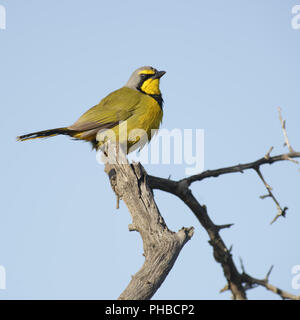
(117, 106)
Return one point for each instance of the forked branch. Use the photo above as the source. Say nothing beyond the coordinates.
(161, 246)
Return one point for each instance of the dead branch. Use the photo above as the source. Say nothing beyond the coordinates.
(161, 246)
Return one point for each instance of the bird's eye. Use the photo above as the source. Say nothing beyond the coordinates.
(143, 76)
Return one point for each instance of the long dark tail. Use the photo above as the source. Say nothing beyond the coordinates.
(45, 134)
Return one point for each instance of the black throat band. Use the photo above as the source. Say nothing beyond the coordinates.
(157, 97)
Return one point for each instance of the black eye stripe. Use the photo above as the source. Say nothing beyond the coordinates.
(145, 76)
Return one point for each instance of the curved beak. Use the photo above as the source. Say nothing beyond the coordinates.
(158, 74)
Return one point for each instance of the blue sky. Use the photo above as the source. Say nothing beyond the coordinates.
(229, 65)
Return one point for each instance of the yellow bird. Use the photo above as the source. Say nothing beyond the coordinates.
(122, 116)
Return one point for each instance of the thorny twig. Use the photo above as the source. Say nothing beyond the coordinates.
(280, 211)
(283, 126)
(250, 282)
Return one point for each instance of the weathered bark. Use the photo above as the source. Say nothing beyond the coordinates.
(161, 246)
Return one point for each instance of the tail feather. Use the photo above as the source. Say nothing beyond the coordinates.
(45, 134)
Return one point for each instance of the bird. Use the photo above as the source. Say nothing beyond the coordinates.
(128, 115)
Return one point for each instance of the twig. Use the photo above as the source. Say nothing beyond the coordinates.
(283, 126)
(280, 211)
(268, 154)
(251, 282)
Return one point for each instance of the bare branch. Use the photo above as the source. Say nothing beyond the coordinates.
(241, 167)
(161, 246)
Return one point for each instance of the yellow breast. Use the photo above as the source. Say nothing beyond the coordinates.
(140, 127)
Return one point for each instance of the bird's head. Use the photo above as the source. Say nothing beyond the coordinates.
(146, 80)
